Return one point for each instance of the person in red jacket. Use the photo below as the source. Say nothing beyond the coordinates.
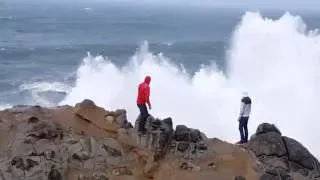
(142, 100)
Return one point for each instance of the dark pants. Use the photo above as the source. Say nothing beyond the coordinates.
(144, 114)
(243, 128)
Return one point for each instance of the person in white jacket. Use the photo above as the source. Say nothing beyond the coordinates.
(245, 111)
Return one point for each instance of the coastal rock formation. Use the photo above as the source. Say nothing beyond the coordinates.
(282, 157)
(87, 142)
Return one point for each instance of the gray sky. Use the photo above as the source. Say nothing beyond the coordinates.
(302, 4)
(277, 4)
(270, 4)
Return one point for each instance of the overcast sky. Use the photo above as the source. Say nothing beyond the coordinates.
(273, 4)
(282, 4)
(304, 4)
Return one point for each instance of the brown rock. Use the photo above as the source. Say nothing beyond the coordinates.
(88, 112)
(86, 142)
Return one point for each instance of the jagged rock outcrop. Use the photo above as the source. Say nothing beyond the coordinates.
(159, 134)
(98, 117)
(88, 142)
(282, 157)
(41, 147)
(189, 142)
(44, 150)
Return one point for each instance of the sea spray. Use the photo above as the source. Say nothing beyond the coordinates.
(276, 61)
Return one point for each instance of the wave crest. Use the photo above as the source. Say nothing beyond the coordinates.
(276, 61)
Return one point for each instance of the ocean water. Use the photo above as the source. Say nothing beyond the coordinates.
(200, 61)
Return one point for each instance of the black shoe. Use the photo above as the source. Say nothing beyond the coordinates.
(240, 142)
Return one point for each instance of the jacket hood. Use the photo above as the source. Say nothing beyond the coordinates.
(147, 79)
(246, 100)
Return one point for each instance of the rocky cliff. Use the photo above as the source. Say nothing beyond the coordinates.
(87, 142)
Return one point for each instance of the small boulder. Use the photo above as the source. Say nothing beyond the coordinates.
(88, 114)
(181, 133)
(268, 144)
(168, 122)
(121, 118)
(266, 128)
(119, 112)
(87, 104)
(195, 135)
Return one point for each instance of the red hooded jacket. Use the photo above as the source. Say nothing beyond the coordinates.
(144, 91)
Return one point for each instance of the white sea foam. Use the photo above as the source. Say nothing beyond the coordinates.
(39, 91)
(276, 61)
(5, 106)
